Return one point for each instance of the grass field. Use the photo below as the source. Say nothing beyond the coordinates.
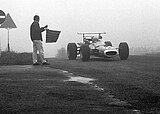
(41, 89)
(135, 80)
(14, 58)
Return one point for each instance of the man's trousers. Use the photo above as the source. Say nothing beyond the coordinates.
(38, 48)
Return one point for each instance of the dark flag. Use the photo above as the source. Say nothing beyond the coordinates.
(52, 36)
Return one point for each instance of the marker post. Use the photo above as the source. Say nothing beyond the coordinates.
(2, 19)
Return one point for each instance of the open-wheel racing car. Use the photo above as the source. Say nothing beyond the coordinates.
(93, 45)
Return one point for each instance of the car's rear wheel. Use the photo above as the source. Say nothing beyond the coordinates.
(123, 51)
(85, 52)
(72, 51)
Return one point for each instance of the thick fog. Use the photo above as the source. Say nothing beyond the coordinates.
(134, 21)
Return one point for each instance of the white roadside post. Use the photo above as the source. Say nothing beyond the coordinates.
(0, 44)
(2, 19)
(8, 24)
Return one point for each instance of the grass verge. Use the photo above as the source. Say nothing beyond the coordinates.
(14, 58)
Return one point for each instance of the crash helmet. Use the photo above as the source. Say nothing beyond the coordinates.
(95, 39)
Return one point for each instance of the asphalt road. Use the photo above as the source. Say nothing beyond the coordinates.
(116, 87)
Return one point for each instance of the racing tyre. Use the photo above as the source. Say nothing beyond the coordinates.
(72, 51)
(123, 51)
(85, 52)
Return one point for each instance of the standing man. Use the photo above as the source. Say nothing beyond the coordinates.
(36, 37)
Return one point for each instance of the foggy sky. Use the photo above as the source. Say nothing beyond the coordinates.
(134, 21)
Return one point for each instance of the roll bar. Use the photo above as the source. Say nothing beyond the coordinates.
(83, 33)
(86, 34)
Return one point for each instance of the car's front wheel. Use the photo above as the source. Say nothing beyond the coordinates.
(85, 52)
(123, 51)
(72, 51)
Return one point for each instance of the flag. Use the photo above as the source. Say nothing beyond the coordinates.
(52, 36)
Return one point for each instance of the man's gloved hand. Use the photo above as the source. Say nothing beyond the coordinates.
(45, 27)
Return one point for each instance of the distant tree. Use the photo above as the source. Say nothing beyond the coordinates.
(158, 49)
(61, 53)
(143, 50)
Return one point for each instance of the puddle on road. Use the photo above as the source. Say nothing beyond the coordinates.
(80, 79)
(110, 99)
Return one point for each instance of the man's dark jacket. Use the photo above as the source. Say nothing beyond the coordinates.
(35, 31)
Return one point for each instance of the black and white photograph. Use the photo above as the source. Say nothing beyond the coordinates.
(80, 57)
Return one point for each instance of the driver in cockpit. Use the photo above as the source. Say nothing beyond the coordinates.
(96, 42)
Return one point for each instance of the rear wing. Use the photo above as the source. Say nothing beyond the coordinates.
(84, 33)
(88, 35)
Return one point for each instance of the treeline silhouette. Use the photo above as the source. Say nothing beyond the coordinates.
(144, 50)
(62, 52)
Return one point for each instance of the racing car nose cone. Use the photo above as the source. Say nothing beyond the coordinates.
(110, 53)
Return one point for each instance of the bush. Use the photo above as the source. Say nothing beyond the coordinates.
(61, 53)
(13, 58)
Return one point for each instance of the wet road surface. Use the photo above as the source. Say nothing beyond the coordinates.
(100, 86)
(26, 89)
